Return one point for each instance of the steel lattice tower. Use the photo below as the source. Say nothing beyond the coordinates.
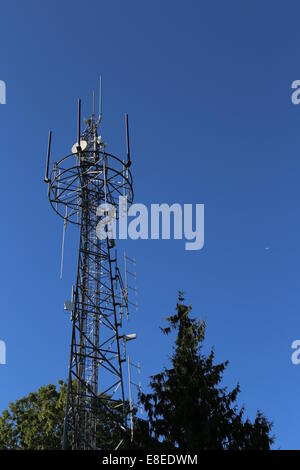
(78, 184)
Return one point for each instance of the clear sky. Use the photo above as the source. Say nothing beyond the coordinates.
(207, 88)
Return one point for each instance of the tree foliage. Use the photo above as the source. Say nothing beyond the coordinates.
(187, 406)
(35, 421)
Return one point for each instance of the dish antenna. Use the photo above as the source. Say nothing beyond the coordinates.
(82, 146)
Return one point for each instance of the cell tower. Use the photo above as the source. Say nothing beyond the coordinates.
(78, 184)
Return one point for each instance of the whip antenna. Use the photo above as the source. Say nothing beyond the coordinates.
(100, 100)
(78, 126)
(46, 179)
(127, 141)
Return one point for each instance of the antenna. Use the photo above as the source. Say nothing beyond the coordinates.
(126, 285)
(104, 179)
(93, 114)
(138, 387)
(78, 128)
(130, 401)
(127, 142)
(100, 100)
(46, 179)
(57, 189)
(63, 243)
(128, 272)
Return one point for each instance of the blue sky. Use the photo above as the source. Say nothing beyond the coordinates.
(207, 88)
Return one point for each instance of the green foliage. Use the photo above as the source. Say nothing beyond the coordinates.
(188, 408)
(35, 421)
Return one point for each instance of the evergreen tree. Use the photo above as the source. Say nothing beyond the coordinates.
(187, 407)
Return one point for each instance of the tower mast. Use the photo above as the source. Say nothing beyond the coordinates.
(84, 188)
